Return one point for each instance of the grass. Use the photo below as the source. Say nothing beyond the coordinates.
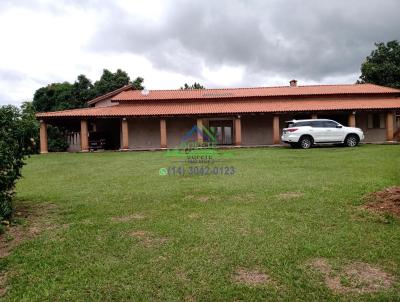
(210, 226)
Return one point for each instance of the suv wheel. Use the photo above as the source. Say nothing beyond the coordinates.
(351, 140)
(305, 142)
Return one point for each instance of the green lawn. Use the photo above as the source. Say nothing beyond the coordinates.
(126, 233)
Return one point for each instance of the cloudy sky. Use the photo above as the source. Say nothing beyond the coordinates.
(219, 43)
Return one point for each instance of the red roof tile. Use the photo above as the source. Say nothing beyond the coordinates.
(109, 95)
(134, 95)
(159, 108)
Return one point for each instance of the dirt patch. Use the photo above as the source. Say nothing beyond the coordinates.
(194, 215)
(3, 284)
(290, 195)
(148, 239)
(250, 231)
(203, 198)
(385, 201)
(248, 197)
(33, 221)
(357, 277)
(182, 276)
(250, 277)
(189, 298)
(135, 216)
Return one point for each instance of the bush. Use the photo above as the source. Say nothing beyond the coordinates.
(15, 143)
(57, 141)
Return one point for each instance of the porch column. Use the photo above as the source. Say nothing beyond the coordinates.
(199, 131)
(389, 126)
(125, 134)
(275, 130)
(163, 133)
(238, 131)
(84, 136)
(43, 137)
(314, 116)
(352, 119)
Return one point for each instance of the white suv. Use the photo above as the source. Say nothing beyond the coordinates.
(305, 133)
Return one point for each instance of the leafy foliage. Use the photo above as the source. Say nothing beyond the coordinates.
(193, 86)
(16, 142)
(110, 81)
(382, 66)
(56, 139)
(30, 126)
(62, 96)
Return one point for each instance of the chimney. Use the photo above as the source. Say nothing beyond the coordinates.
(293, 83)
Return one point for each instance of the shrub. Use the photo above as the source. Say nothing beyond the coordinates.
(57, 141)
(15, 143)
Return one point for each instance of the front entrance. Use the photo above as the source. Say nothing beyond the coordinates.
(223, 131)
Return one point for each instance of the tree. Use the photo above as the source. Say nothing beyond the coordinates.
(14, 141)
(110, 81)
(56, 96)
(62, 96)
(193, 86)
(82, 91)
(137, 84)
(382, 66)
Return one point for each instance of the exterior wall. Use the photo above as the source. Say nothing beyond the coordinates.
(105, 103)
(144, 133)
(256, 130)
(375, 134)
(176, 129)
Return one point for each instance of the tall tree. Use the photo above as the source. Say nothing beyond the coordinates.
(110, 81)
(137, 83)
(382, 66)
(193, 86)
(56, 96)
(61, 96)
(82, 90)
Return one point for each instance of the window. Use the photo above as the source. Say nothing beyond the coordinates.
(329, 124)
(317, 124)
(297, 124)
(376, 120)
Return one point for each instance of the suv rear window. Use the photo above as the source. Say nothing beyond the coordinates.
(330, 124)
(297, 124)
(317, 124)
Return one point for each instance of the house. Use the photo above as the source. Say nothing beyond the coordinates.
(130, 119)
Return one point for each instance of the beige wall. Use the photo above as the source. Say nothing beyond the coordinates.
(105, 103)
(144, 133)
(257, 130)
(372, 135)
(177, 128)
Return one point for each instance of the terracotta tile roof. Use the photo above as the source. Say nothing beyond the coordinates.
(134, 95)
(109, 95)
(160, 108)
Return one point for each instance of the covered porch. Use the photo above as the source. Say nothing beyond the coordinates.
(244, 129)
